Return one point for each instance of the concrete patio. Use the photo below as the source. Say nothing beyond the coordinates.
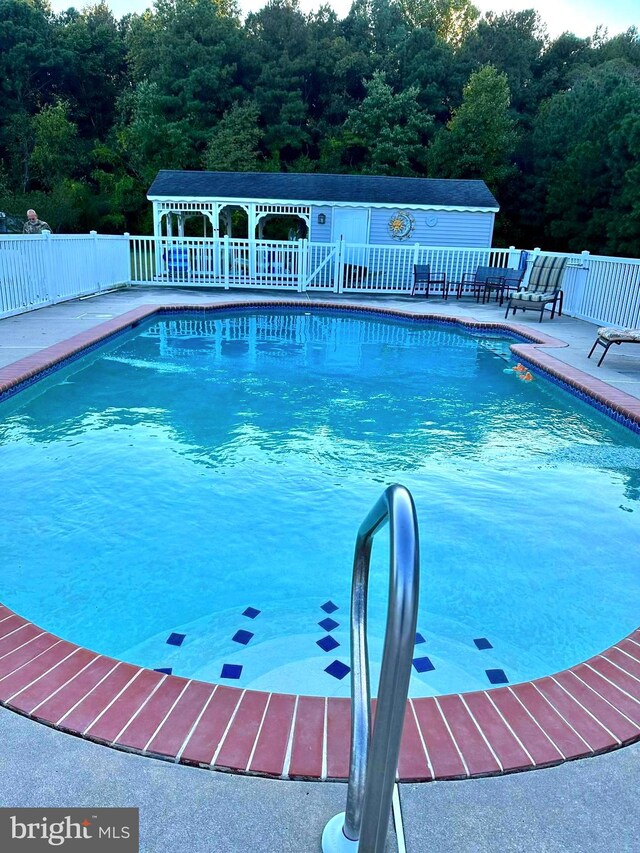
(587, 806)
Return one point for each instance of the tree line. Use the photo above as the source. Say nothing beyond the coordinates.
(92, 107)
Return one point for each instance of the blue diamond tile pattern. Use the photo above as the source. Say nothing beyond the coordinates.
(338, 669)
(329, 607)
(419, 639)
(251, 612)
(328, 624)
(482, 643)
(242, 637)
(327, 643)
(176, 639)
(166, 670)
(497, 676)
(423, 664)
(231, 670)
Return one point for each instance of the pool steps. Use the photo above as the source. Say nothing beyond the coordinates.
(588, 709)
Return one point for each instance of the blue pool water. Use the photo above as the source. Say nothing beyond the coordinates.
(204, 477)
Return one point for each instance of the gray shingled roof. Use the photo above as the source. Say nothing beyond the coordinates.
(288, 186)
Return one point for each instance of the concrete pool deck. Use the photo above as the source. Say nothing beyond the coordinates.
(27, 335)
(585, 806)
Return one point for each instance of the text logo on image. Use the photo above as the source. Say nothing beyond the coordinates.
(100, 830)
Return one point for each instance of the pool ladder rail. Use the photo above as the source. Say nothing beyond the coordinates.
(363, 826)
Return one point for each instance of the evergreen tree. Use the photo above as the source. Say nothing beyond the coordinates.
(586, 144)
(387, 133)
(479, 140)
(233, 145)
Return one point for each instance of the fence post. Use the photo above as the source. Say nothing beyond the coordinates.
(226, 260)
(96, 263)
(581, 274)
(512, 252)
(48, 268)
(128, 264)
(302, 265)
(416, 261)
(339, 277)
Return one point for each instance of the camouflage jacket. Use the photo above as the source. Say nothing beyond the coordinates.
(36, 227)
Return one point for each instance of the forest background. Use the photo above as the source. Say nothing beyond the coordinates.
(92, 107)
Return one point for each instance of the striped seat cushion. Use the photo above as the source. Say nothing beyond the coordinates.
(614, 334)
(529, 296)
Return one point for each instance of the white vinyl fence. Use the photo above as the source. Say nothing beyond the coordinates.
(299, 266)
(604, 290)
(41, 270)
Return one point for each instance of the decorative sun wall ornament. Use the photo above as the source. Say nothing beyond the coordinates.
(401, 225)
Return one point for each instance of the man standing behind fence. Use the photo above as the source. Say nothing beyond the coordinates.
(33, 225)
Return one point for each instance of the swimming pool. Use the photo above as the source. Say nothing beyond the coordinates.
(204, 469)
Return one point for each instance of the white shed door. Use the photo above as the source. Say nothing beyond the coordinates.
(352, 224)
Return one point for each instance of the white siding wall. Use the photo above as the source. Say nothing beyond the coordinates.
(320, 233)
(451, 228)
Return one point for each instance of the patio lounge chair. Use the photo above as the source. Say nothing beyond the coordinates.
(542, 289)
(610, 335)
(422, 275)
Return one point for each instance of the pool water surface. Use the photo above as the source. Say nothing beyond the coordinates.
(189, 496)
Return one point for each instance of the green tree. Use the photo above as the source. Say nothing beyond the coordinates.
(513, 43)
(387, 133)
(585, 149)
(426, 62)
(93, 67)
(480, 139)
(562, 61)
(625, 46)
(623, 230)
(452, 20)
(233, 144)
(55, 149)
(29, 66)
(278, 40)
(147, 139)
(192, 52)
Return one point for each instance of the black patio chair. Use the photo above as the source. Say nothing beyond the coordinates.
(422, 275)
(487, 279)
(510, 280)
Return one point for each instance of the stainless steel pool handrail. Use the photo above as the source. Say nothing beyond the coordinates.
(374, 759)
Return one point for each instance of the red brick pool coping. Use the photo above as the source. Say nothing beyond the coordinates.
(585, 710)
